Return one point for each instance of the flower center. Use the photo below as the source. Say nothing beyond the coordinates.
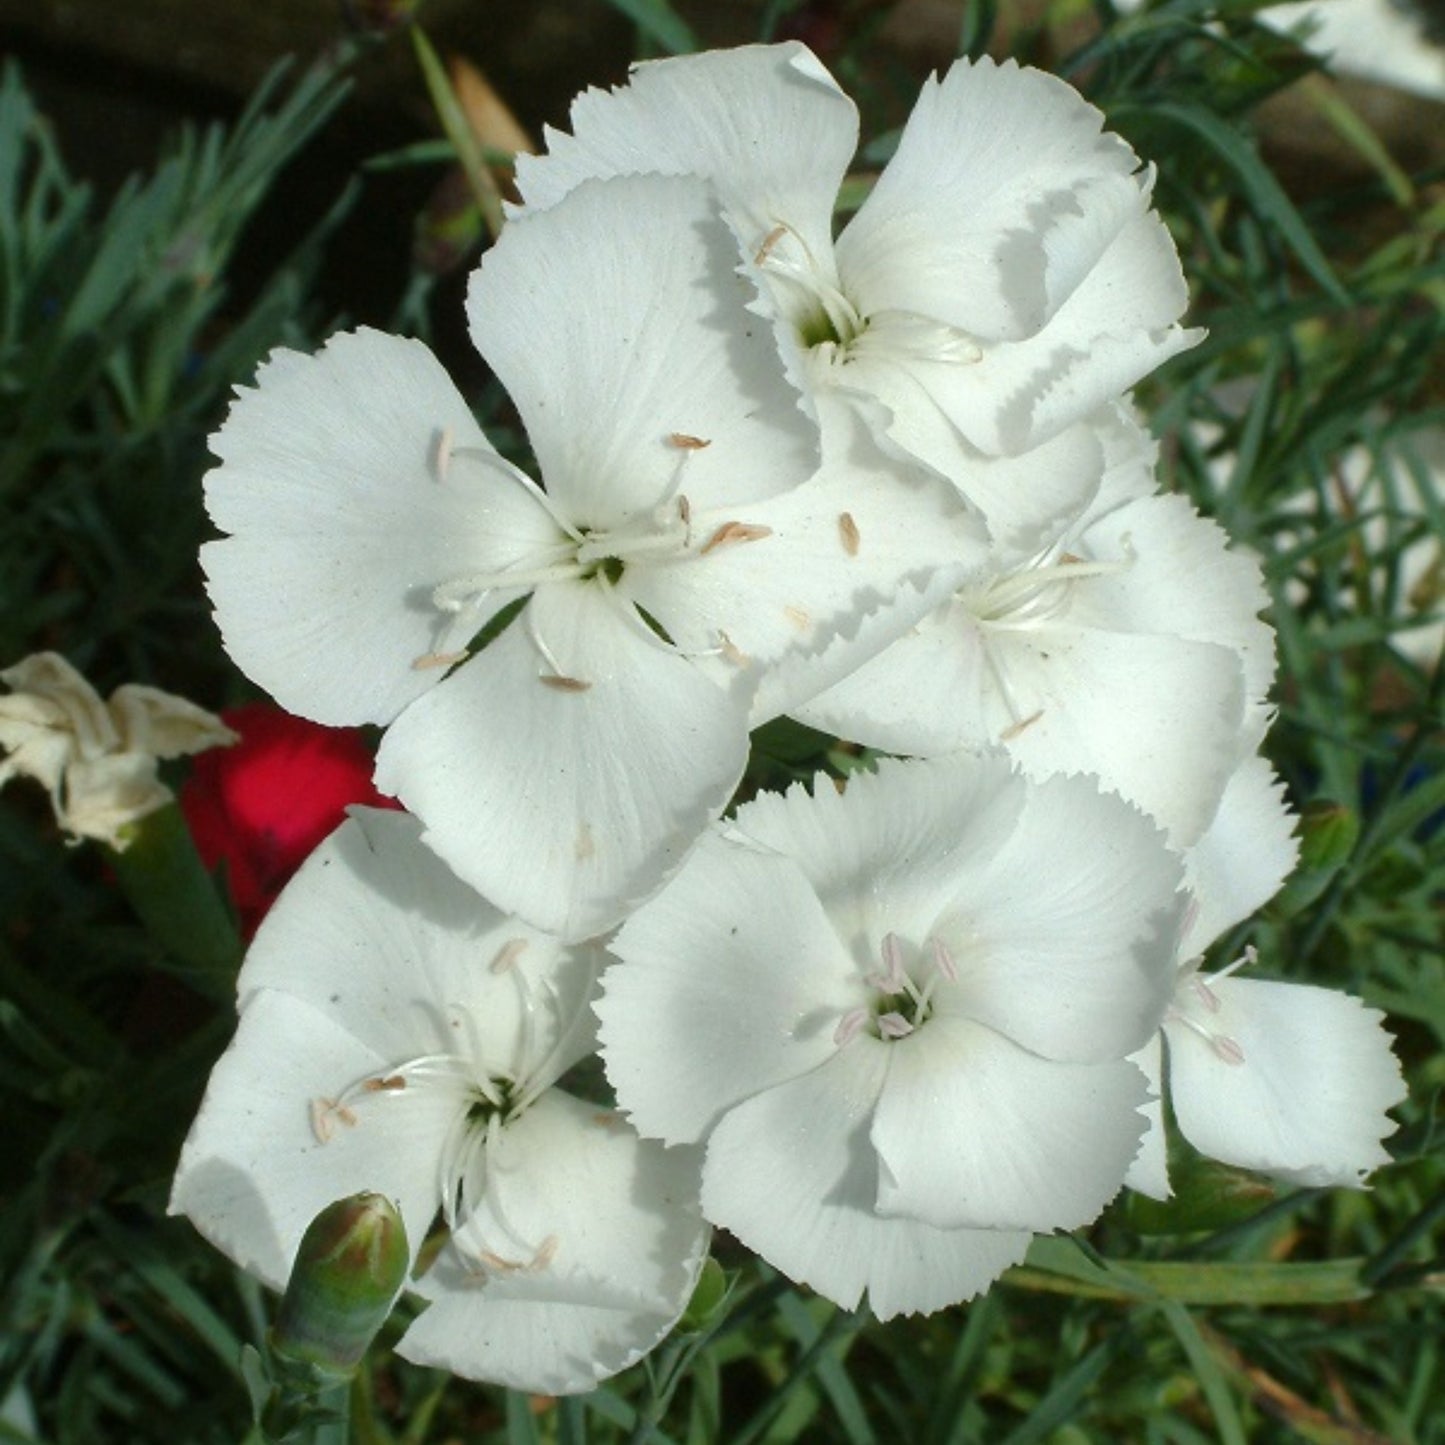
(901, 1003)
(581, 554)
(480, 1103)
(1037, 593)
(1032, 597)
(833, 329)
(1196, 1006)
(483, 602)
(807, 292)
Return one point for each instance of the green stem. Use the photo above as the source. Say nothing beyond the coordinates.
(167, 884)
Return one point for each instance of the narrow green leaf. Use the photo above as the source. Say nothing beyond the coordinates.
(1207, 1372)
(1265, 193)
(1061, 1403)
(832, 1375)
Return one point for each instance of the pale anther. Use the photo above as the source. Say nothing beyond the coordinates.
(508, 954)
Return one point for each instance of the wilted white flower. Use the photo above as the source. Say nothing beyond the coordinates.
(681, 544)
(898, 1020)
(400, 1036)
(96, 758)
(1005, 277)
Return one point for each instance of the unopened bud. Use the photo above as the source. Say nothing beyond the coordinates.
(352, 1261)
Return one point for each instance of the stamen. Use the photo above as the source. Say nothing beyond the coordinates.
(1224, 1048)
(1227, 1050)
(849, 1026)
(323, 1111)
(1014, 729)
(734, 532)
(1034, 594)
(489, 461)
(730, 650)
(557, 679)
(894, 1026)
(848, 533)
(1249, 957)
(462, 592)
(769, 241)
(943, 960)
(908, 336)
(429, 660)
(688, 443)
(893, 976)
(443, 458)
(508, 954)
(843, 318)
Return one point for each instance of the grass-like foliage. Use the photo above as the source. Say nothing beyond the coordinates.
(1242, 1311)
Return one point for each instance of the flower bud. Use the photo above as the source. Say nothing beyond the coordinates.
(352, 1261)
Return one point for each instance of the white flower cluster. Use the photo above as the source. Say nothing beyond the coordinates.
(887, 484)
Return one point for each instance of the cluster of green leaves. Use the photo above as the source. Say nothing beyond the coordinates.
(1241, 1312)
(119, 343)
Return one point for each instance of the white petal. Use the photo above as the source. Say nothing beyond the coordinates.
(567, 803)
(1020, 394)
(922, 695)
(1081, 967)
(1007, 215)
(766, 124)
(1243, 856)
(817, 688)
(895, 851)
(379, 934)
(836, 550)
(1181, 580)
(1156, 718)
(1149, 1173)
(595, 1242)
(974, 1132)
(347, 490)
(1308, 1100)
(961, 223)
(620, 329)
(791, 1173)
(731, 981)
(254, 1171)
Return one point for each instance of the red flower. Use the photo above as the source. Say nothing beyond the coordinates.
(261, 805)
